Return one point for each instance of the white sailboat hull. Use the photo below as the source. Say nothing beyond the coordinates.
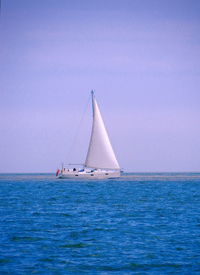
(89, 175)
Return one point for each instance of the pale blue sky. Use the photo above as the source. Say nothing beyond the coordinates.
(141, 56)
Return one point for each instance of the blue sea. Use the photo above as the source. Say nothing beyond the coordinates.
(139, 224)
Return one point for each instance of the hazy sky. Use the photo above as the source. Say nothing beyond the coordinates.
(142, 57)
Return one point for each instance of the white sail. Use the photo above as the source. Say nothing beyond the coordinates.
(100, 153)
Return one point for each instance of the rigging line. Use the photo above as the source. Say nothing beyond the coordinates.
(78, 130)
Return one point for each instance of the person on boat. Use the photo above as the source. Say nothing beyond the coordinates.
(57, 172)
(74, 169)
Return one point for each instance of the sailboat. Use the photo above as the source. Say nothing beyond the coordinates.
(101, 162)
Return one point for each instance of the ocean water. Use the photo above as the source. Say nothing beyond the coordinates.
(139, 224)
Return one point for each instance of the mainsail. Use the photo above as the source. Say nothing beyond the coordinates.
(100, 153)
